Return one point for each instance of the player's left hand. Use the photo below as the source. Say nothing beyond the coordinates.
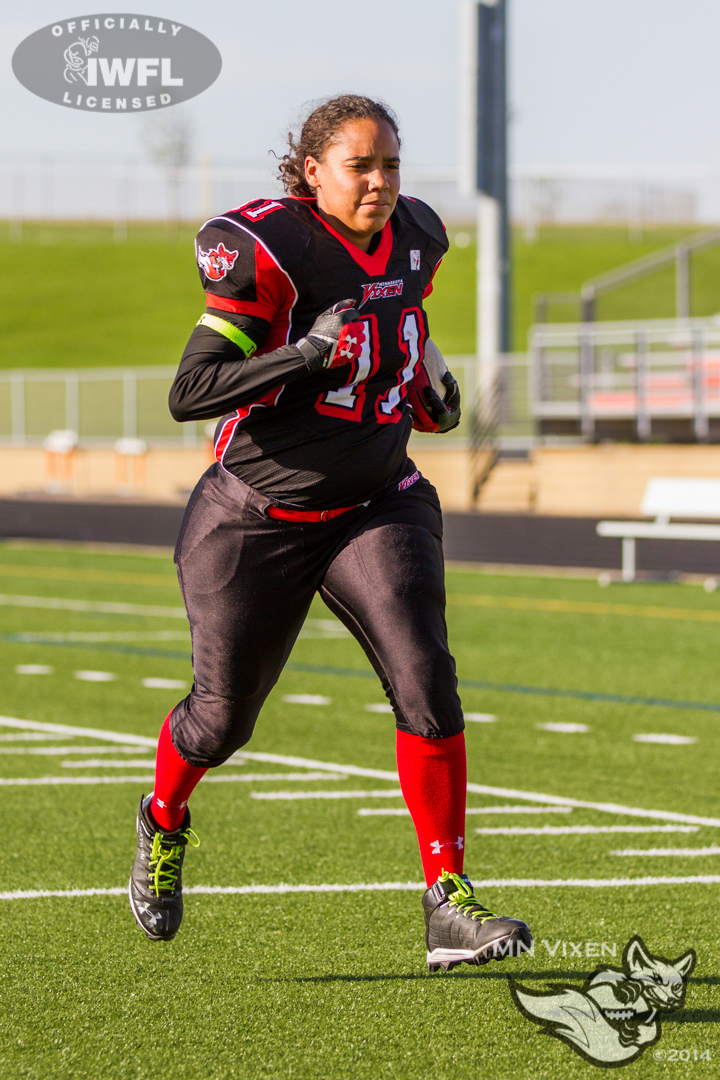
(445, 413)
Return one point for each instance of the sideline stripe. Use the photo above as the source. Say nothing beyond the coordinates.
(375, 774)
(582, 607)
(378, 886)
(516, 688)
(358, 673)
(131, 650)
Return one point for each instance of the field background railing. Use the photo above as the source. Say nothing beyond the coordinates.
(105, 404)
(632, 371)
(119, 192)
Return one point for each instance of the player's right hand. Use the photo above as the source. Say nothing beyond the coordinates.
(319, 346)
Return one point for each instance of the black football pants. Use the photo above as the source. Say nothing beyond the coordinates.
(248, 581)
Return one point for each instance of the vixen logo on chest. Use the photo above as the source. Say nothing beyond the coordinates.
(380, 290)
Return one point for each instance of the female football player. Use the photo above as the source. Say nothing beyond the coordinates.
(311, 349)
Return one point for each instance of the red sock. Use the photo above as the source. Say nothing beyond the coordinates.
(433, 778)
(175, 781)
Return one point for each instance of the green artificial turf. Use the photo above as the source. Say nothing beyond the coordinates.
(70, 297)
(334, 985)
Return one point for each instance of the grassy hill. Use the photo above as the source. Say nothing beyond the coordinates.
(71, 297)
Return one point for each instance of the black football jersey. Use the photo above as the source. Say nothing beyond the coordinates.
(338, 436)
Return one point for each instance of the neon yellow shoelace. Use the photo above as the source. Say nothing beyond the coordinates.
(164, 864)
(465, 901)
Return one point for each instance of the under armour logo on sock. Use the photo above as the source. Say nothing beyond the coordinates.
(436, 847)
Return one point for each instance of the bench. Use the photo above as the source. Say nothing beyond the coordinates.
(664, 498)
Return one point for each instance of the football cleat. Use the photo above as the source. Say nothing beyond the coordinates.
(155, 887)
(459, 929)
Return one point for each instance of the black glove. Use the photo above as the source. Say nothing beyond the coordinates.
(319, 346)
(446, 414)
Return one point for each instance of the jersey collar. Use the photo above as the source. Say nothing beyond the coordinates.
(374, 265)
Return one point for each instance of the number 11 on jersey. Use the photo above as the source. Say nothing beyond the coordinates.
(347, 402)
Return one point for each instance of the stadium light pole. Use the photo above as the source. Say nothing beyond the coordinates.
(484, 174)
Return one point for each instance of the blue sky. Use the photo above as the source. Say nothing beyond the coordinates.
(622, 81)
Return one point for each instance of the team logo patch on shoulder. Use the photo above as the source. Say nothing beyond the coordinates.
(216, 262)
(414, 259)
(380, 290)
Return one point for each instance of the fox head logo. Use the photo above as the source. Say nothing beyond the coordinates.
(615, 1017)
(216, 262)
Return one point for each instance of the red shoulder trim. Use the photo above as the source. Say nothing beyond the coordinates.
(429, 287)
(226, 303)
(374, 265)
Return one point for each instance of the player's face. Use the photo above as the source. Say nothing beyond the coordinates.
(358, 181)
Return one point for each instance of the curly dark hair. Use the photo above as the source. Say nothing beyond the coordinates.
(320, 130)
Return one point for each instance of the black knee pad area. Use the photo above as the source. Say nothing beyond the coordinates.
(208, 735)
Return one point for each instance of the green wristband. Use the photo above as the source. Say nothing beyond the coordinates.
(232, 333)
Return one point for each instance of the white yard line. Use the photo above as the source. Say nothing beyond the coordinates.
(387, 812)
(164, 684)
(284, 796)
(98, 606)
(306, 699)
(378, 886)
(376, 774)
(31, 736)
(222, 779)
(233, 778)
(58, 751)
(106, 763)
(110, 636)
(60, 781)
(669, 740)
(565, 729)
(519, 810)
(69, 729)
(583, 830)
(686, 852)
(501, 793)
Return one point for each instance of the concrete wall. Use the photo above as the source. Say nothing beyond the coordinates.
(609, 481)
(168, 475)
(582, 481)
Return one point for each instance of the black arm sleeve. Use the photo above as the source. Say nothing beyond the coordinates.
(215, 376)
